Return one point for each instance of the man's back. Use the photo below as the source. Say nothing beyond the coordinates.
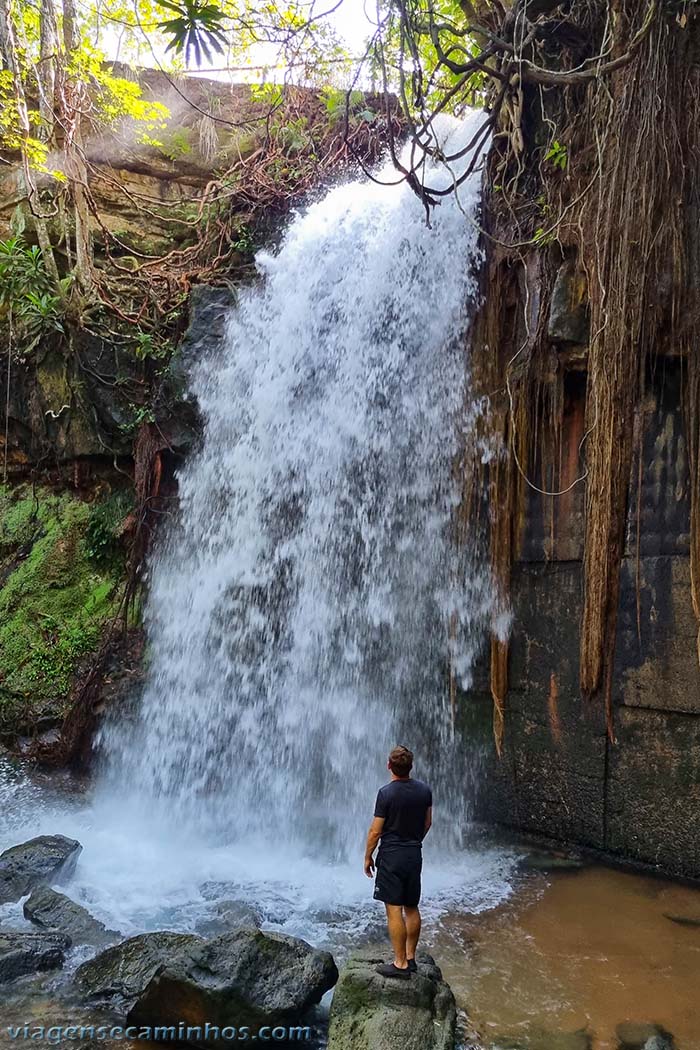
(403, 804)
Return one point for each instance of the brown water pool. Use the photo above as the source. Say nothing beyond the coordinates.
(585, 949)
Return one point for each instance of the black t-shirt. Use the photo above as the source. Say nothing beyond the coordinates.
(403, 804)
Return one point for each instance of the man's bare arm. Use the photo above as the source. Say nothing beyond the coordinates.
(373, 836)
(428, 820)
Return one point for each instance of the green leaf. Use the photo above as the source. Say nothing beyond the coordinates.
(197, 30)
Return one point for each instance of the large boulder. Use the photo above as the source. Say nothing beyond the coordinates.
(51, 910)
(370, 1012)
(245, 978)
(48, 858)
(118, 976)
(22, 953)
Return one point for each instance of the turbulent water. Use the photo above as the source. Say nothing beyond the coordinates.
(305, 605)
(299, 612)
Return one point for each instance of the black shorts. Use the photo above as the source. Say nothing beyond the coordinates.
(398, 876)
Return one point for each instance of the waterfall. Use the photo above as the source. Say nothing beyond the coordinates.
(300, 605)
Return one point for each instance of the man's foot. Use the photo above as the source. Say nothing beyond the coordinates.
(412, 966)
(390, 970)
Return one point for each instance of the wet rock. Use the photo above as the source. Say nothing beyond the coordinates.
(214, 890)
(635, 1035)
(209, 309)
(230, 915)
(540, 1039)
(684, 920)
(23, 953)
(275, 909)
(555, 861)
(243, 978)
(54, 911)
(370, 1012)
(569, 316)
(120, 974)
(48, 858)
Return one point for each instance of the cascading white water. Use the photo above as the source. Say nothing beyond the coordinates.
(299, 610)
(304, 600)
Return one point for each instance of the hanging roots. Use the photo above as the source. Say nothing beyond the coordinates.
(628, 205)
(633, 242)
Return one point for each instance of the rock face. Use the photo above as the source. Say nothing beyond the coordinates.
(560, 775)
(243, 978)
(117, 976)
(22, 953)
(44, 859)
(54, 911)
(569, 320)
(370, 1012)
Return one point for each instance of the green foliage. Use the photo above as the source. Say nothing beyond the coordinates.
(558, 156)
(542, 237)
(337, 102)
(431, 81)
(197, 30)
(26, 296)
(102, 535)
(149, 348)
(293, 135)
(41, 314)
(139, 414)
(12, 136)
(243, 242)
(177, 145)
(112, 98)
(55, 660)
(56, 596)
(269, 95)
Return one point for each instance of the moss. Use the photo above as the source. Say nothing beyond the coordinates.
(56, 595)
(51, 376)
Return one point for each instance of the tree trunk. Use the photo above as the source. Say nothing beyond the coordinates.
(11, 62)
(47, 69)
(76, 167)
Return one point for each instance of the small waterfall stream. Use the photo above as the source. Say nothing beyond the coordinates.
(298, 611)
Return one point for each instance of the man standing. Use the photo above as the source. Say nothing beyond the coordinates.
(403, 814)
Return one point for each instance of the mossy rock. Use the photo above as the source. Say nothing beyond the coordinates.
(370, 1012)
(57, 593)
(118, 975)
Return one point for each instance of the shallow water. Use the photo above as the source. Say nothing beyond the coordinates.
(578, 950)
(524, 952)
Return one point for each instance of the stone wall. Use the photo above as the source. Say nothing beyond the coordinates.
(639, 796)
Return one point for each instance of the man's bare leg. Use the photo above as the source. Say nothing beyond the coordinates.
(412, 923)
(397, 934)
